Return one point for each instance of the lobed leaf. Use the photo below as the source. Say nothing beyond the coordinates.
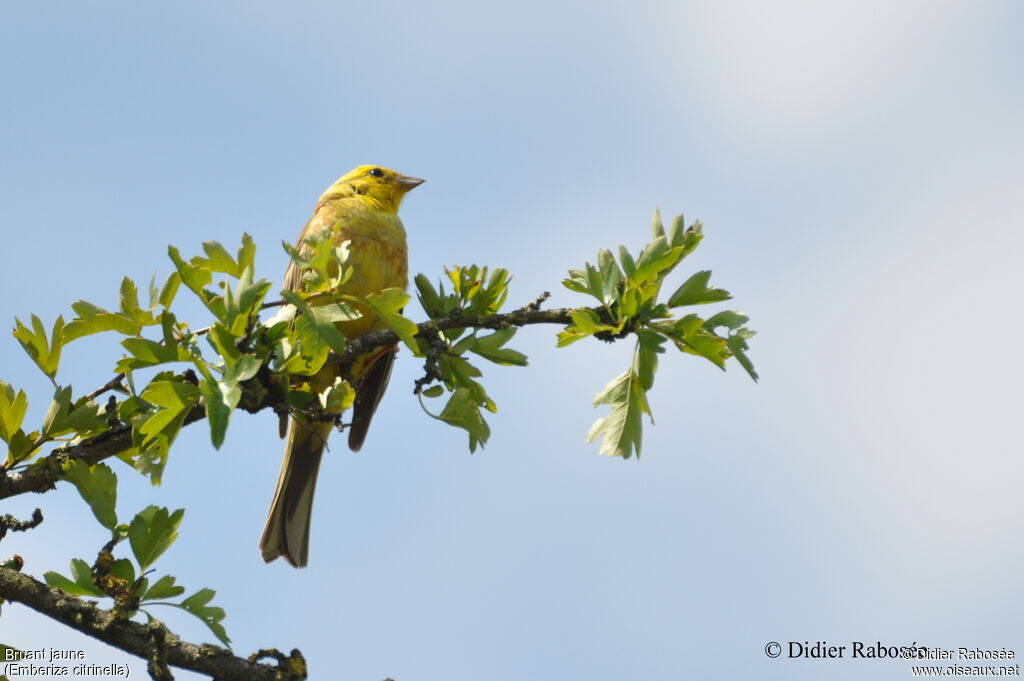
(174, 399)
(621, 428)
(44, 350)
(146, 353)
(151, 532)
(12, 410)
(97, 484)
(695, 291)
(162, 588)
(80, 584)
(211, 616)
(462, 411)
(92, 319)
(491, 347)
(388, 304)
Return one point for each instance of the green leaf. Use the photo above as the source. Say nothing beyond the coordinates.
(628, 265)
(149, 454)
(246, 255)
(656, 261)
(676, 232)
(224, 342)
(611, 277)
(129, 304)
(490, 347)
(595, 282)
(98, 486)
(588, 280)
(151, 532)
(679, 328)
(196, 277)
(92, 319)
(59, 581)
(147, 353)
(322, 320)
(171, 395)
(428, 296)
(242, 370)
(738, 346)
(695, 291)
(337, 397)
(321, 261)
(489, 298)
(211, 616)
(169, 290)
(163, 588)
(651, 340)
(621, 429)
(692, 237)
(175, 400)
(60, 405)
(433, 391)
(388, 304)
(707, 345)
(218, 409)
(249, 297)
(217, 260)
(585, 323)
(62, 416)
(123, 569)
(310, 350)
(149, 460)
(657, 228)
(12, 410)
(463, 412)
(459, 372)
(727, 318)
(648, 347)
(81, 582)
(576, 282)
(43, 351)
(21, 446)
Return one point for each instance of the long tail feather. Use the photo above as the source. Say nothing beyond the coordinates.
(287, 530)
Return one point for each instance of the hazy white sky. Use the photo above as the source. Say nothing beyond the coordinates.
(857, 167)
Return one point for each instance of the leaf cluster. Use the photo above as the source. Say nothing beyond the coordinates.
(628, 290)
(149, 533)
(473, 292)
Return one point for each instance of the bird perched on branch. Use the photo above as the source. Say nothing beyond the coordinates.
(362, 208)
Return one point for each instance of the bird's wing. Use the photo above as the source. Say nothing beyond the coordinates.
(324, 215)
(370, 389)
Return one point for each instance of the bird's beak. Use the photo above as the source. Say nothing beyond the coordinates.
(408, 183)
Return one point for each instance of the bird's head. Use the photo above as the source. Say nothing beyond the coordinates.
(382, 186)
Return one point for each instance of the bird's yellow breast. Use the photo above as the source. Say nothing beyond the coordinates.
(378, 254)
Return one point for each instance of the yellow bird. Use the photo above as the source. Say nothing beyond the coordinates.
(361, 207)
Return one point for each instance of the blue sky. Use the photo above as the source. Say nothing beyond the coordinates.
(857, 167)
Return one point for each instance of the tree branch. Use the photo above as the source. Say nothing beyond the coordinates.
(139, 639)
(42, 474)
(522, 317)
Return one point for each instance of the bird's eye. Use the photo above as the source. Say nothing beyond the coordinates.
(377, 172)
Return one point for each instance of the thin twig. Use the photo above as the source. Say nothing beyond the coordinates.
(9, 522)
